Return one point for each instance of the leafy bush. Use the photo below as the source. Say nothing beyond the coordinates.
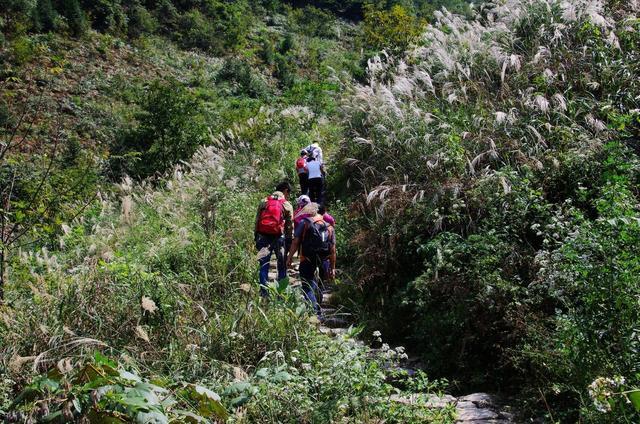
(393, 29)
(75, 16)
(45, 16)
(140, 21)
(217, 28)
(107, 15)
(196, 31)
(314, 21)
(484, 180)
(241, 78)
(170, 129)
(102, 390)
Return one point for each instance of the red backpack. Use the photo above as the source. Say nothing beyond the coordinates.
(271, 221)
(300, 164)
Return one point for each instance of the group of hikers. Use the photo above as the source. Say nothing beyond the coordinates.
(308, 231)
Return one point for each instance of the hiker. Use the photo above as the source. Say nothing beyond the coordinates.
(303, 172)
(314, 150)
(318, 242)
(322, 210)
(304, 210)
(316, 179)
(274, 232)
(324, 278)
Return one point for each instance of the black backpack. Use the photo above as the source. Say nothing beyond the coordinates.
(316, 238)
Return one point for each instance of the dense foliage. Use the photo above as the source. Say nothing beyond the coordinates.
(483, 168)
(137, 139)
(495, 172)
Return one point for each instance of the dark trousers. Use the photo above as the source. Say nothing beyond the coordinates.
(309, 285)
(315, 190)
(266, 245)
(304, 183)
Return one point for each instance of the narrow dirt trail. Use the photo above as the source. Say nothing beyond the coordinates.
(475, 408)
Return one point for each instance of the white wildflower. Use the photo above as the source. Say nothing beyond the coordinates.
(560, 102)
(541, 103)
(148, 304)
(595, 124)
(613, 41)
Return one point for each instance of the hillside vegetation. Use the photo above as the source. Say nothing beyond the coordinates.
(482, 166)
(134, 153)
(494, 171)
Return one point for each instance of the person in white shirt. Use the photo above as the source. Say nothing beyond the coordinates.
(316, 180)
(315, 151)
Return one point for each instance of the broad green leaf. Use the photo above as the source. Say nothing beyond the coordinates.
(100, 359)
(151, 417)
(262, 373)
(188, 417)
(237, 388)
(634, 397)
(208, 401)
(203, 391)
(52, 417)
(283, 284)
(129, 376)
(280, 377)
(240, 400)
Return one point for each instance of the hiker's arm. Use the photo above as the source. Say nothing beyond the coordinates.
(322, 169)
(288, 221)
(292, 251)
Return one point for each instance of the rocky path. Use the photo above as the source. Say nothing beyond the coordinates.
(476, 408)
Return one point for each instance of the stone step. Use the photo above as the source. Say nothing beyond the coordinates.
(431, 401)
(333, 332)
(327, 298)
(482, 408)
(336, 322)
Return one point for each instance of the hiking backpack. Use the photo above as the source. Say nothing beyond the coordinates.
(316, 238)
(271, 221)
(300, 164)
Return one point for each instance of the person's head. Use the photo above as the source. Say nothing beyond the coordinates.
(322, 209)
(285, 188)
(303, 153)
(303, 200)
(316, 144)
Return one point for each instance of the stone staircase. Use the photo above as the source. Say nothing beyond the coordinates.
(476, 408)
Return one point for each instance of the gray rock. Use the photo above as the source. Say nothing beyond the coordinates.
(432, 401)
(469, 411)
(481, 398)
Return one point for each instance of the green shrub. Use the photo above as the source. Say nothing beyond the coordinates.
(167, 16)
(286, 69)
(314, 21)
(502, 228)
(196, 31)
(241, 79)
(140, 21)
(107, 16)
(75, 16)
(393, 29)
(23, 49)
(170, 129)
(45, 16)
(103, 390)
